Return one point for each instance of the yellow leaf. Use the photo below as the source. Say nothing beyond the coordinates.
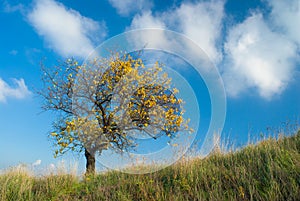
(54, 134)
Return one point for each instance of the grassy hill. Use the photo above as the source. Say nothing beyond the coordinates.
(269, 170)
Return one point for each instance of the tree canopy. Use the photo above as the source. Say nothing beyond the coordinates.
(105, 103)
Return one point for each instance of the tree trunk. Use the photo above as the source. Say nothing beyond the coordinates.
(90, 162)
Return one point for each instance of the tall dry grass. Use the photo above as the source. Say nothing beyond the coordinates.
(269, 170)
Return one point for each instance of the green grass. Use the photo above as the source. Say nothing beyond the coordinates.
(269, 170)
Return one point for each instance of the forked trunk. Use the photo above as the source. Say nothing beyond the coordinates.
(90, 162)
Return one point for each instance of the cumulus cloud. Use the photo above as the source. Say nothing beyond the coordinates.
(258, 54)
(286, 16)
(37, 163)
(200, 21)
(126, 7)
(65, 30)
(146, 20)
(257, 57)
(19, 91)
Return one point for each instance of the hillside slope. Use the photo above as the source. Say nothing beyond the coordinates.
(269, 170)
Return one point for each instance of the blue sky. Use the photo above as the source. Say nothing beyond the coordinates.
(255, 45)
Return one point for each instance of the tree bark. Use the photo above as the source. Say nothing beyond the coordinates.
(90, 162)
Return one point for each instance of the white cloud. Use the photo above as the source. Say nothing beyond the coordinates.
(286, 15)
(19, 91)
(13, 8)
(201, 22)
(146, 20)
(37, 163)
(126, 7)
(65, 30)
(257, 57)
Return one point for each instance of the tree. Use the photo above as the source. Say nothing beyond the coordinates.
(105, 102)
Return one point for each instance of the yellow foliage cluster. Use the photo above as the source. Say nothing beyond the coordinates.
(147, 98)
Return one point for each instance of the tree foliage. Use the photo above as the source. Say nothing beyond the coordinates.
(105, 103)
